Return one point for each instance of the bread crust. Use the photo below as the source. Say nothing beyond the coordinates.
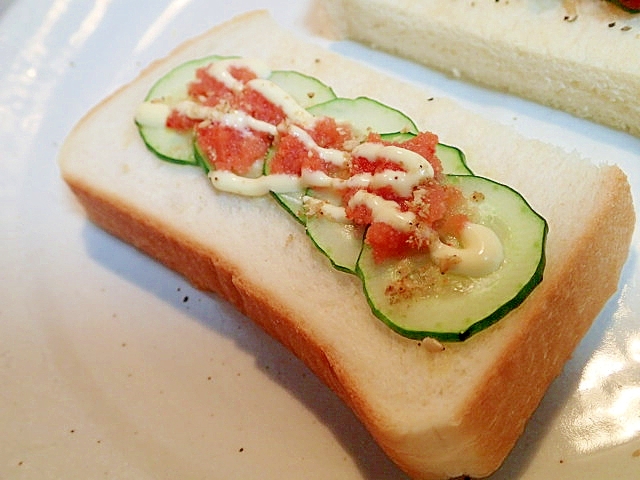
(556, 318)
(535, 341)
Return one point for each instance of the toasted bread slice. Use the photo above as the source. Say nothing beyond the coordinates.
(436, 414)
(581, 56)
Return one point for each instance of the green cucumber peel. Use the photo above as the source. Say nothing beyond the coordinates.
(366, 114)
(168, 144)
(306, 90)
(449, 319)
(463, 306)
(171, 88)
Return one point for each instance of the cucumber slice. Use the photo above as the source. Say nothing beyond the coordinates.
(397, 137)
(340, 242)
(176, 147)
(307, 91)
(366, 114)
(200, 157)
(453, 160)
(452, 307)
(290, 201)
(447, 306)
(172, 88)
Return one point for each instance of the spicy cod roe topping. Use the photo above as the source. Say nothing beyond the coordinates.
(394, 190)
(440, 252)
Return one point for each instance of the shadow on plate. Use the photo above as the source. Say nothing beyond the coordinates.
(288, 372)
(270, 356)
(4, 6)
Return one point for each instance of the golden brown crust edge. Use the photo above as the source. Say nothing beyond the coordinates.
(557, 318)
(542, 346)
(210, 273)
(553, 322)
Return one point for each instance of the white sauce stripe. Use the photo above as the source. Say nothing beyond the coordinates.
(315, 206)
(229, 182)
(409, 160)
(152, 114)
(221, 71)
(276, 95)
(236, 119)
(480, 254)
(384, 211)
(417, 168)
(330, 155)
(481, 251)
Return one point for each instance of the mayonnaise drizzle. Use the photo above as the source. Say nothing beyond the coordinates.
(279, 97)
(155, 114)
(235, 119)
(220, 70)
(331, 155)
(385, 211)
(227, 181)
(410, 161)
(402, 182)
(416, 167)
(316, 206)
(480, 251)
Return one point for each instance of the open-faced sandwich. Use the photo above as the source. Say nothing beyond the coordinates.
(434, 269)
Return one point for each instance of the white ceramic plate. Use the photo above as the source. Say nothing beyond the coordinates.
(113, 367)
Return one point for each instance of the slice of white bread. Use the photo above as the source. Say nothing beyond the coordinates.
(581, 56)
(436, 414)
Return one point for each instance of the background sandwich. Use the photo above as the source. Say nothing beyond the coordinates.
(580, 56)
